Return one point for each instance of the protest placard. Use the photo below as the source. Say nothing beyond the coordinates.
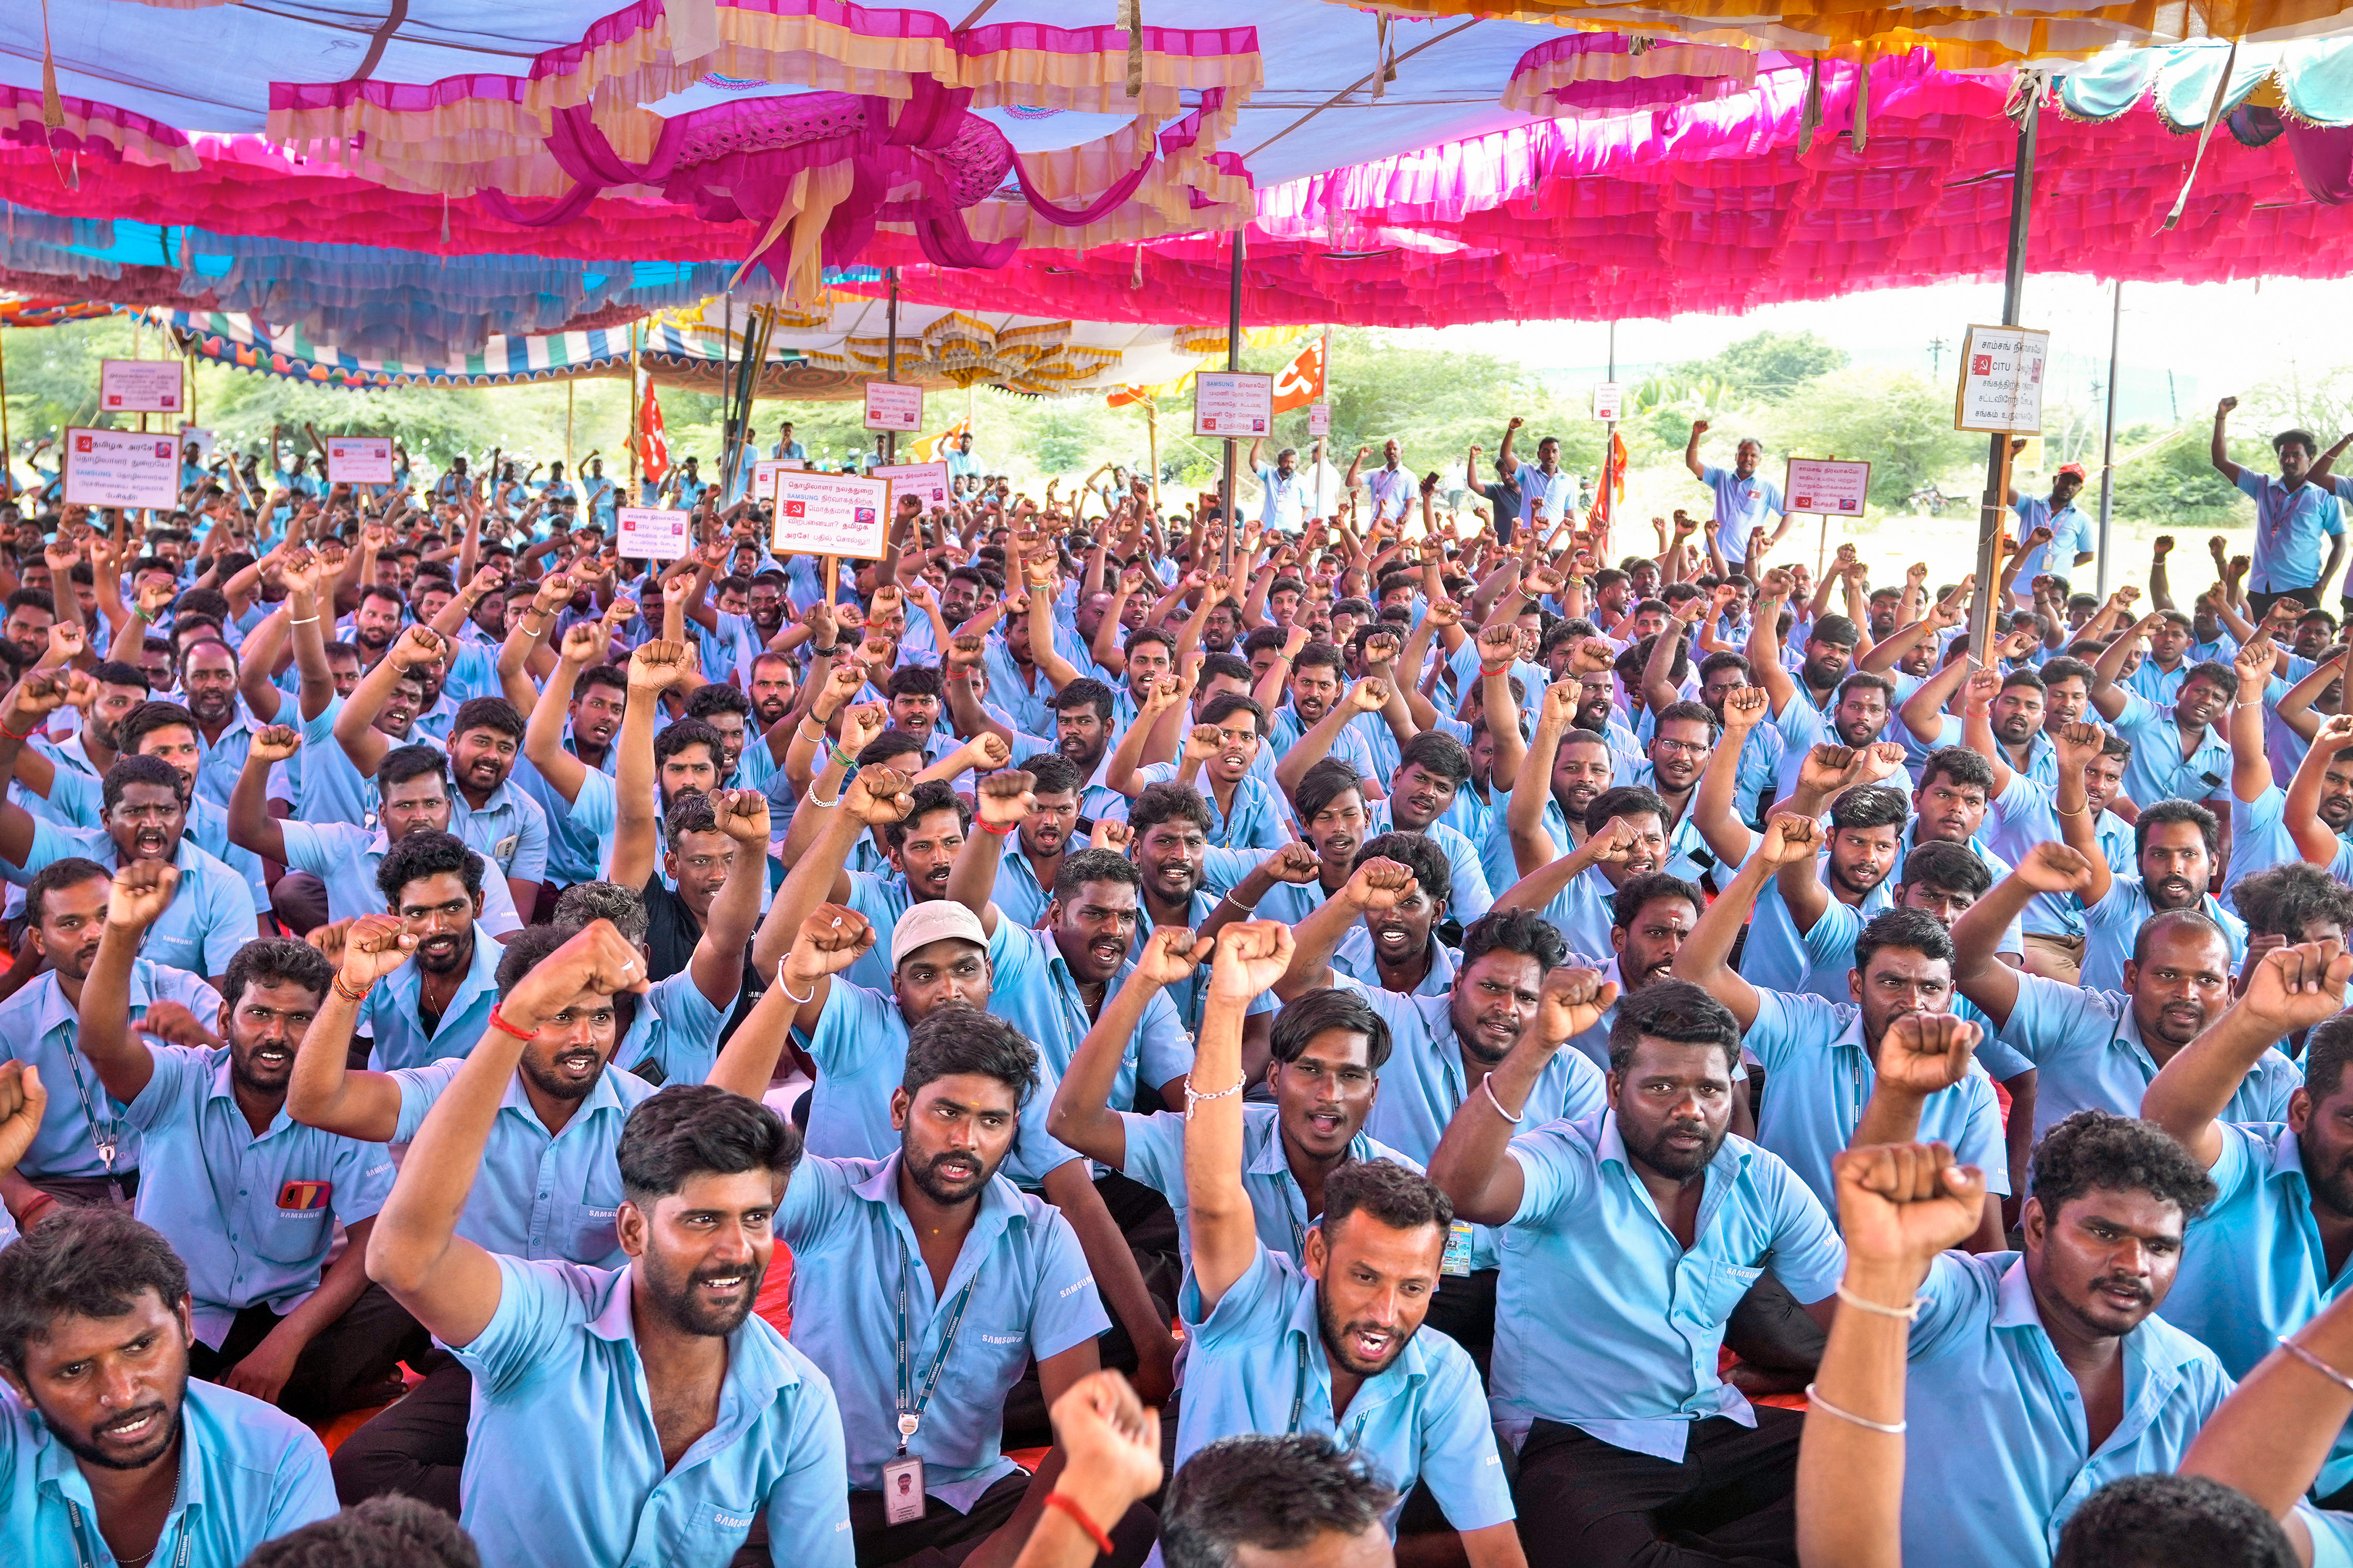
(140, 386)
(830, 514)
(121, 468)
(359, 459)
(894, 405)
(1232, 404)
(652, 533)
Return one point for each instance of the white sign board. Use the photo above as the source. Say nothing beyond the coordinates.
(1608, 399)
(121, 468)
(139, 385)
(894, 405)
(1827, 486)
(1319, 419)
(2001, 381)
(764, 475)
(831, 514)
(359, 459)
(199, 437)
(1232, 404)
(927, 482)
(652, 533)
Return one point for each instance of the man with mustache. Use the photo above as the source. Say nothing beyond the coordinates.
(1625, 836)
(2174, 846)
(994, 1278)
(2268, 1256)
(270, 1315)
(1286, 884)
(2318, 807)
(1397, 949)
(2086, 770)
(1444, 1045)
(107, 1451)
(1220, 757)
(637, 1406)
(1742, 499)
(1183, 882)
(572, 726)
(2176, 753)
(1636, 1229)
(488, 809)
(1822, 1056)
(1025, 876)
(2099, 1049)
(86, 1152)
(1337, 1338)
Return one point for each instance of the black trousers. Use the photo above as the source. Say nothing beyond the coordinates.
(943, 1537)
(91, 1192)
(2260, 604)
(1585, 1503)
(350, 1363)
(418, 1447)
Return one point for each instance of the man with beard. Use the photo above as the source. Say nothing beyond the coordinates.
(1821, 1056)
(377, 620)
(726, 1424)
(29, 614)
(774, 691)
(2065, 546)
(1082, 734)
(1316, 708)
(1397, 949)
(1829, 658)
(2176, 753)
(85, 1151)
(2174, 846)
(994, 1278)
(1563, 772)
(2318, 808)
(1288, 494)
(1682, 738)
(106, 1443)
(2269, 1255)
(1024, 877)
(1183, 882)
(1347, 1317)
(208, 682)
(1625, 836)
(143, 815)
(1289, 883)
(1636, 1229)
(1390, 486)
(1742, 499)
(1432, 769)
(269, 1315)
(2099, 1049)
(91, 749)
(569, 733)
(488, 811)
(1444, 1045)
(1323, 1069)
(414, 787)
(334, 786)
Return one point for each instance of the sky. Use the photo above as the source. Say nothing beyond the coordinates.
(2182, 345)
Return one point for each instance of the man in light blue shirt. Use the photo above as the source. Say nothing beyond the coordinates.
(2101, 1049)
(1289, 493)
(786, 447)
(926, 1281)
(1548, 491)
(192, 1472)
(2174, 846)
(2052, 1358)
(1629, 1238)
(2176, 754)
(1742, 499)
(253, 1199)
(2068, 544)
(1390, 486)
(577, 1445)
(2293, 514)
(1339, 1341)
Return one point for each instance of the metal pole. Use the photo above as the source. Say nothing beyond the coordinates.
(2108, 440)
(891, 371)
(1996, 496)
(7, 447)
(1233, 362)
(1608, 446)
(1152, 447)
(571, 390)
(635, 498)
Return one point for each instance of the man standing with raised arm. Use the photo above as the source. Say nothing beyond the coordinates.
(1337, 1341)
(1742, 499)
(637, 1409)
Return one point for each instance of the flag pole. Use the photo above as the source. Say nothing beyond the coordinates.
(632, 442)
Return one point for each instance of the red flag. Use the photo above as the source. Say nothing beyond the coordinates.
(1301, 382)
(651, 441)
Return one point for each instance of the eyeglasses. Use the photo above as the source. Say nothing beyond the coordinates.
(1683, 748)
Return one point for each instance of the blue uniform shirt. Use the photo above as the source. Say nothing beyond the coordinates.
(1254, 823)
(1821, 1077)
(1740, 505)
(564, 1461)
(511, 829)
(538, 1195)
(2112, 925)
(251, 1216)
(2157, 769)
(2070, 535)
(1984, 1379)
(1033, 989)
(1256, 1363)
(211, 912)
(1594, 1279)
(249, 1472)
(854, 1250)
(403, 1039)
(2289, 524)
(345, 858)
(2086, 1047)
(37, 1024)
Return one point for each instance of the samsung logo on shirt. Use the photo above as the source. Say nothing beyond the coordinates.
(1085, 1284)
(731, 1522)
(1001, 1339)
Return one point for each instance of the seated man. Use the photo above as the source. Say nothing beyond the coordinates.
(489, 810)
(1637, 1231)
(2175, 844)
(1217, 759)
(1397, 949)
(85, 1151)
(269, 1316)
(1328, 1048)
(996, 1279)
(1298, 1500)
(413, 787)
(642, 1408)
(109, 1452)
(1348, 1318)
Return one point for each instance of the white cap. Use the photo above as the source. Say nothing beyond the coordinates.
(937, 920)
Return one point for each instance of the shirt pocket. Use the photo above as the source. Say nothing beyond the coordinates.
(291, 1235)
(589, 1231)
(1718, 1287)
(178, 949)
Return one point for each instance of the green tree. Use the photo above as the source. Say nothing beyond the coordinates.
(2167, 478)
(1768, 367)
(1893, 418)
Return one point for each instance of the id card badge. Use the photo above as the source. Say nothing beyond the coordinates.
(1456, 1261)
(902, 1489)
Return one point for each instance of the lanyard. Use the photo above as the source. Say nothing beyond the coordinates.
(912, 1404)
(104, 1130)
(1349, 1440)
(81, 1547)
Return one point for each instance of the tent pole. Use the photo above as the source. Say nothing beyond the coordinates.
(1233, 362)
(1982, 607)
(891, 365)
(571, 387)
(1152, 447)
(7, 447)
(2108, 440)
(635, 499)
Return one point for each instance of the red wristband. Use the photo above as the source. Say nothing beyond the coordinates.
(1493, 668)
(1079, 1517)
(498, 1022)
(12, 734)
(1000, 832)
